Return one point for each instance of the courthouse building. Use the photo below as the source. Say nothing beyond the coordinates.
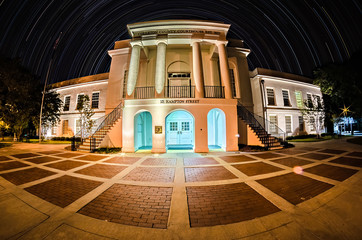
(181, 84)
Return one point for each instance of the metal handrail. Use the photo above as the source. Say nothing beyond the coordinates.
(279, 133)
(96, 123)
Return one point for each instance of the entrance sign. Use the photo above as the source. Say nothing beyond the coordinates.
(179, 101)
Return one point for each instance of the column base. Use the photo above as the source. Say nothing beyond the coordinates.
(128, 149)
(158, 150)
(201, 150)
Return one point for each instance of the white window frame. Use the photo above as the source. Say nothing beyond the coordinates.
(301, 98)
(311, 99)
(76, 102)
(267, 98)
(290, 102)
(70, 98)
(276, 123)
(99, 98)
(291, 123)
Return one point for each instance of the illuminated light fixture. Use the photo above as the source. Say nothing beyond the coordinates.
(237, 135)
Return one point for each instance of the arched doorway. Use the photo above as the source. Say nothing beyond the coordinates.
(143, 131)
(216, 129)
(180, 130)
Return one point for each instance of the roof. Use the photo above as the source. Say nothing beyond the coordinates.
(274, 73)
(91, 78)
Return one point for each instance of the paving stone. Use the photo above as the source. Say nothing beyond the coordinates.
(123, 160)
(316, 156)
(355, 162)
(199, 161)
(292, 161)
(102, 170)
(160, 161)
(40, 160)
(237, 158)
(197, 174)
(267, 155)
(50, 152)
(5, 158)
(295, 188)
(291, 151)
(12, 165)
(25, 155)
(64, 190)
(332, 172)
(257, 168)
(92, 157)
(332, 151)
(25, 176)
(154, 174)
(309, 148)
(224, 204)
(66, 165)
(355, 154)
(132, 205)
(69, 155)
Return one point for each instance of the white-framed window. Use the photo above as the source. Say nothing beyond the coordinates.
(301, 123)
(311, 123)
(95, 99)
(65, 127)
(125, 75)
(173, 126)
(77, 126)
(299, 99)
(232, 80)
(318, 100)
(309, 100)
(66, 103)
(185, 126)
(286, 100)
(54, 130)
(288, 124)
(273, 122)
(270, 96)
(78, 99)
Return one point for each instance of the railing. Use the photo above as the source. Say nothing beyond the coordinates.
(271, 127)
(180, 91)
(110, 118)
(144, 92)
(259, 123)
(83, 133)
(214, 92)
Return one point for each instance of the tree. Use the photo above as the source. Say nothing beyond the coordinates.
(341, 85)
(20, 97)
(313, 113)
(86, 113)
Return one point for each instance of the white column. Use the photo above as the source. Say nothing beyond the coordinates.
(160, 66)
(224, 70)
(133, 68)
(197, 69)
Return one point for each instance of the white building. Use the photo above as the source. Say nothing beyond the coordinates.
(182, 84)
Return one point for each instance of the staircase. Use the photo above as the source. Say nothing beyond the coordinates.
(268, 141)
(93, 142)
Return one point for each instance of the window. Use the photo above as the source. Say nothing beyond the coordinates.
(173, 126)
(232, 80)
(66, 103)
(185, 126)
(318, 99)
(77, 126)
(125, 83)
(95, 99)
(301, 123)
(288, 124)
(286, 98)
(270, 95)
(78, 99)
(65, 127)
(312, 123)
(273, 124)
(309, 100)
(298, 96)
(54, 130)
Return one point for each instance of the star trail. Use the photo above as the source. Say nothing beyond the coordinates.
(285, 35)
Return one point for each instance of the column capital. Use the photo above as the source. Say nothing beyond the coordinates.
(219, 43)
(136, 43)
(193, 41)
(162, 40)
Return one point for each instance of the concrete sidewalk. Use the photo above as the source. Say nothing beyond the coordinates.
(312, 191)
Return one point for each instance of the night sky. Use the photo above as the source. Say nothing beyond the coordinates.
(287, 35)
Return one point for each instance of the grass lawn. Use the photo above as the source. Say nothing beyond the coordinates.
(49, 141)
(312, 139)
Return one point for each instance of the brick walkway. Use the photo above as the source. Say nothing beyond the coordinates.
(218, 189)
